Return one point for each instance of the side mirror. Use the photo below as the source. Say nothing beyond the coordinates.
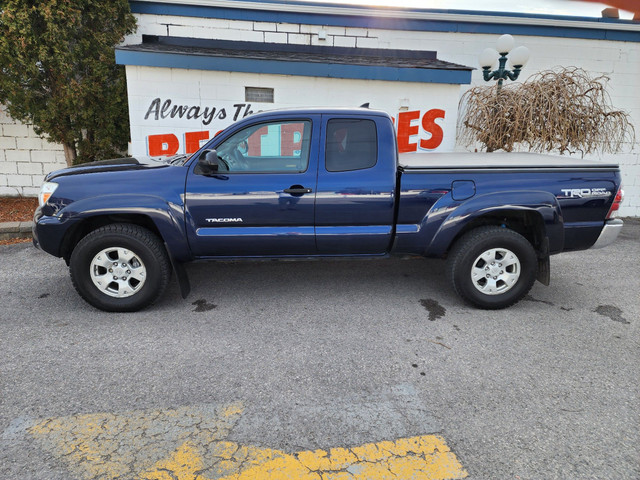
(208, 163)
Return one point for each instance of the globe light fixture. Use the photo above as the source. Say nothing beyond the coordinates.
(505, 44)
(489, 58)
(518, 57)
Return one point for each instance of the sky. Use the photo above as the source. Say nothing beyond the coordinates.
(551, 7)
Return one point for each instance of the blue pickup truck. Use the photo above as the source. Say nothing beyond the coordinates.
(322, 183)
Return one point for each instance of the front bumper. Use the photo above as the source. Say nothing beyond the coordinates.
(34, 232)
(49, 232)
(609, 233)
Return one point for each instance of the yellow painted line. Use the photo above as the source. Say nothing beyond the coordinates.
(190, 444)
(121, 446)
(424, 457)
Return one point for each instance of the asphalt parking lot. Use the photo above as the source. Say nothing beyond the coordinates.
(333, 370)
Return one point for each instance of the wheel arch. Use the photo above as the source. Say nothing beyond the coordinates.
(90, 223)
(164, 219)
(527, 223)
(538, 219)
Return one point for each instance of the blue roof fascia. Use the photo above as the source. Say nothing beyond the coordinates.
(396, 23)
(281, 67)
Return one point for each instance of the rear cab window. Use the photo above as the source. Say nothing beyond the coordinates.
(351, 144)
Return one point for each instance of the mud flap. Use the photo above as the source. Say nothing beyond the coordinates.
(544, 264)
(181, 274)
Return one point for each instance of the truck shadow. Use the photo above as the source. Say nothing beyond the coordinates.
(342, 280)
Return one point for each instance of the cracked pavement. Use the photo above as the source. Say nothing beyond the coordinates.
(314, 360)
(142, 445)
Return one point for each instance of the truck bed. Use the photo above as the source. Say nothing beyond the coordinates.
(495, 160)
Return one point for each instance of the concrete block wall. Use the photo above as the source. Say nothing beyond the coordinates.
(25, 157)
(222, 29)
(620, 61)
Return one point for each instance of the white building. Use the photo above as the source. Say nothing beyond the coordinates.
(194, 66)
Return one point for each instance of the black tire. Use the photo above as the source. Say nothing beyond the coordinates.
(499, 283)
(148, 258)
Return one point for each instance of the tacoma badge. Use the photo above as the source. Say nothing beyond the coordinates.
(224, 220)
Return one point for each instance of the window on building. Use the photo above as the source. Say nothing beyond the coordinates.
(351, 145)
(258, 95)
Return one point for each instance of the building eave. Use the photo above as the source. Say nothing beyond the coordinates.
(281, 59)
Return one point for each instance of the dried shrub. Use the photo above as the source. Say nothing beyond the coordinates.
(563, 110)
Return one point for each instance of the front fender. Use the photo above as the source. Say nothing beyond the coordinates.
(168, 217)
(541, 203)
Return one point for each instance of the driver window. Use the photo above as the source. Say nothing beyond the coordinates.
(277, 147)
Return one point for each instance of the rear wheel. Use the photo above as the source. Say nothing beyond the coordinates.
(492, 267)
(120, 268)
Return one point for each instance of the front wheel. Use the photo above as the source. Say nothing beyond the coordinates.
(492, 267)
(120, 268)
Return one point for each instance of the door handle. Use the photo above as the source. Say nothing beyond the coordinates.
(297, 190)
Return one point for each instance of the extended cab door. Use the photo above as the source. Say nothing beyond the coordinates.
(356, 184)
(261, 201)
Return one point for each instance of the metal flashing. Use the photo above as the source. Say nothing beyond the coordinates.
(438, 20)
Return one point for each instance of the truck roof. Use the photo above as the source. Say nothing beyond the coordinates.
(359, 111)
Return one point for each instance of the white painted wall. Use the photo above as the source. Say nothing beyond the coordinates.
(223, 90)
(25, 157)
(619, 60)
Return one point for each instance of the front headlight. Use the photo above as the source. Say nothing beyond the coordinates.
(46, 191)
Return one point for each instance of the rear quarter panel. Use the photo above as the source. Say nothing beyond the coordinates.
(429, 218)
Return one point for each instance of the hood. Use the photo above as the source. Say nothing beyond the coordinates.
(116, 165)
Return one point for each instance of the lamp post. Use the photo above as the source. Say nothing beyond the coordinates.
(517, 58)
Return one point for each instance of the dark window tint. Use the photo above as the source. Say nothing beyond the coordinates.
(351, 145)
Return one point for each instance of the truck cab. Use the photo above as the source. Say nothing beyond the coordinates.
(295, 183)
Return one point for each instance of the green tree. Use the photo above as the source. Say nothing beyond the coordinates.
(58, 72)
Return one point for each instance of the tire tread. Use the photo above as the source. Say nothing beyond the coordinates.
(467, 242)
(141, 234)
